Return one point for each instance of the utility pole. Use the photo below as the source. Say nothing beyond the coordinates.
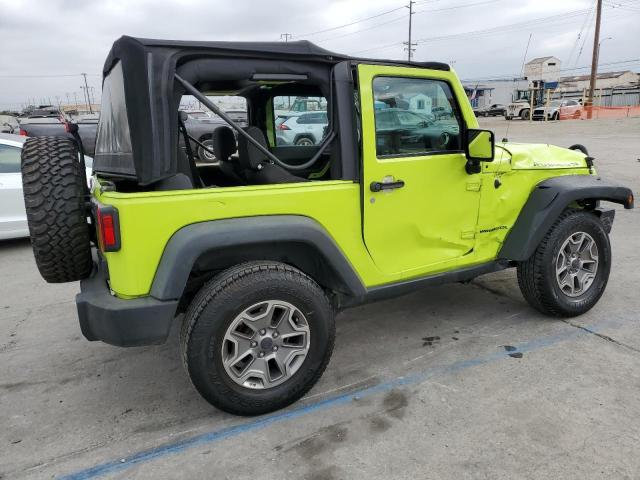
(286, 37)
(408, 43)
(594, 59)
(86, 89)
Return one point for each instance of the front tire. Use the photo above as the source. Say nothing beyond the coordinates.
(524, 114)
(568, 272)
(257, 337)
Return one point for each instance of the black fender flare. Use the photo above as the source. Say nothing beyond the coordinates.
(231, 239)
(547, 201)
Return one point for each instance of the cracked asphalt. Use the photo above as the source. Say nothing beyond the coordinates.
(458, 381)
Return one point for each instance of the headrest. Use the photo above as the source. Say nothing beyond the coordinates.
(224, 143)
(248, 155)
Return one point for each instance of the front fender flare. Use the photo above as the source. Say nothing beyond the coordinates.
(546, 203)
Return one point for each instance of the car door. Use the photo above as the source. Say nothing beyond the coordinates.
(420, 206)
(13, 218)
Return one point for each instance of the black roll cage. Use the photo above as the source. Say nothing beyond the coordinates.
(330, 136)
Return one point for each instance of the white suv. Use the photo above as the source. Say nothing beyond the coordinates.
(306, 129)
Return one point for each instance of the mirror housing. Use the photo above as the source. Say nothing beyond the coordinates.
(479, 146)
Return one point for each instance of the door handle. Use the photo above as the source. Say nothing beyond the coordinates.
(379, 186)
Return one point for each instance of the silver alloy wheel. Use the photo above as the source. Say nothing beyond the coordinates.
(577, 264)
(305, 142)
(265, 344)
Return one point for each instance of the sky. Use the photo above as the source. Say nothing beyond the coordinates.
(46, 44)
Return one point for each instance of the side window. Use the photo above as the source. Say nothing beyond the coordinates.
(415, 116)
(299, 121)
(9, 159)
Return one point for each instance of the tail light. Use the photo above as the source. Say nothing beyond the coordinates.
(282, 126)
(23, 132)
(108, 229)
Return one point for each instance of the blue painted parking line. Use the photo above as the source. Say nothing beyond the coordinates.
(214, 436)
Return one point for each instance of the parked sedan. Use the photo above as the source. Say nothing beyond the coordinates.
(404, 131)
(495, 110)
(13, 218)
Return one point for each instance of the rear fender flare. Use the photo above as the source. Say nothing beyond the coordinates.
(220, 244)
(547, 201)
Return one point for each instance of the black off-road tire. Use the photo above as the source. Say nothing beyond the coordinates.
(215, 307)
(524, 114)
(537, 276)
(54, 186)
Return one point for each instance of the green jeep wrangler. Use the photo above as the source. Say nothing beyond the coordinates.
(260, 251)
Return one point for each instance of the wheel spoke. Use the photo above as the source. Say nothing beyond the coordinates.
(577, 264)
(265, 344)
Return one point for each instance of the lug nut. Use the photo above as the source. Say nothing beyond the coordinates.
(254, 344)
(275, 348)
(261, 354)
(275, 334)
(263, 331)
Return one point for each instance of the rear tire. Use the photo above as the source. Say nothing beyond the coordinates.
(305, 142)
(228, 352)
(524, 114)
(204, 155)
(542, 279)
(54, 186)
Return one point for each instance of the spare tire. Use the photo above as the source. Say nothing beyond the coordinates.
(54, 186)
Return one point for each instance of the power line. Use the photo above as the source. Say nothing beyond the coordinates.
(402, 18)
(377, 25)
(577, 42)
(349, 24)
(558, 19)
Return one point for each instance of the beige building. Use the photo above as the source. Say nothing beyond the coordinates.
(543, 68)
(603, 81)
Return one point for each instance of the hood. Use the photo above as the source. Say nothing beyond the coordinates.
(540, 156)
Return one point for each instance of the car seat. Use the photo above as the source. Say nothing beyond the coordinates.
(256, 167)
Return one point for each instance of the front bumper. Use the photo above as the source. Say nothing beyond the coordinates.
(121, 322)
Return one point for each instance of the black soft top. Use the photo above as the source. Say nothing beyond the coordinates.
(302, 49)
(137, 135)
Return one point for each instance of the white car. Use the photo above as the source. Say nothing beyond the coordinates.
(13, 218)
(306, 129)
(558, 109)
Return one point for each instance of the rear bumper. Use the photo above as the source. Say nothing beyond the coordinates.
(121, 322)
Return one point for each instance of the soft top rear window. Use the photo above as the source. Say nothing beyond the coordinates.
(113, 152)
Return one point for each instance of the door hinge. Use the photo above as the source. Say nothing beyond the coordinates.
(468, 235)
(473, 186)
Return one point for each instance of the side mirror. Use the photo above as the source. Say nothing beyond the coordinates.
(479, 145)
